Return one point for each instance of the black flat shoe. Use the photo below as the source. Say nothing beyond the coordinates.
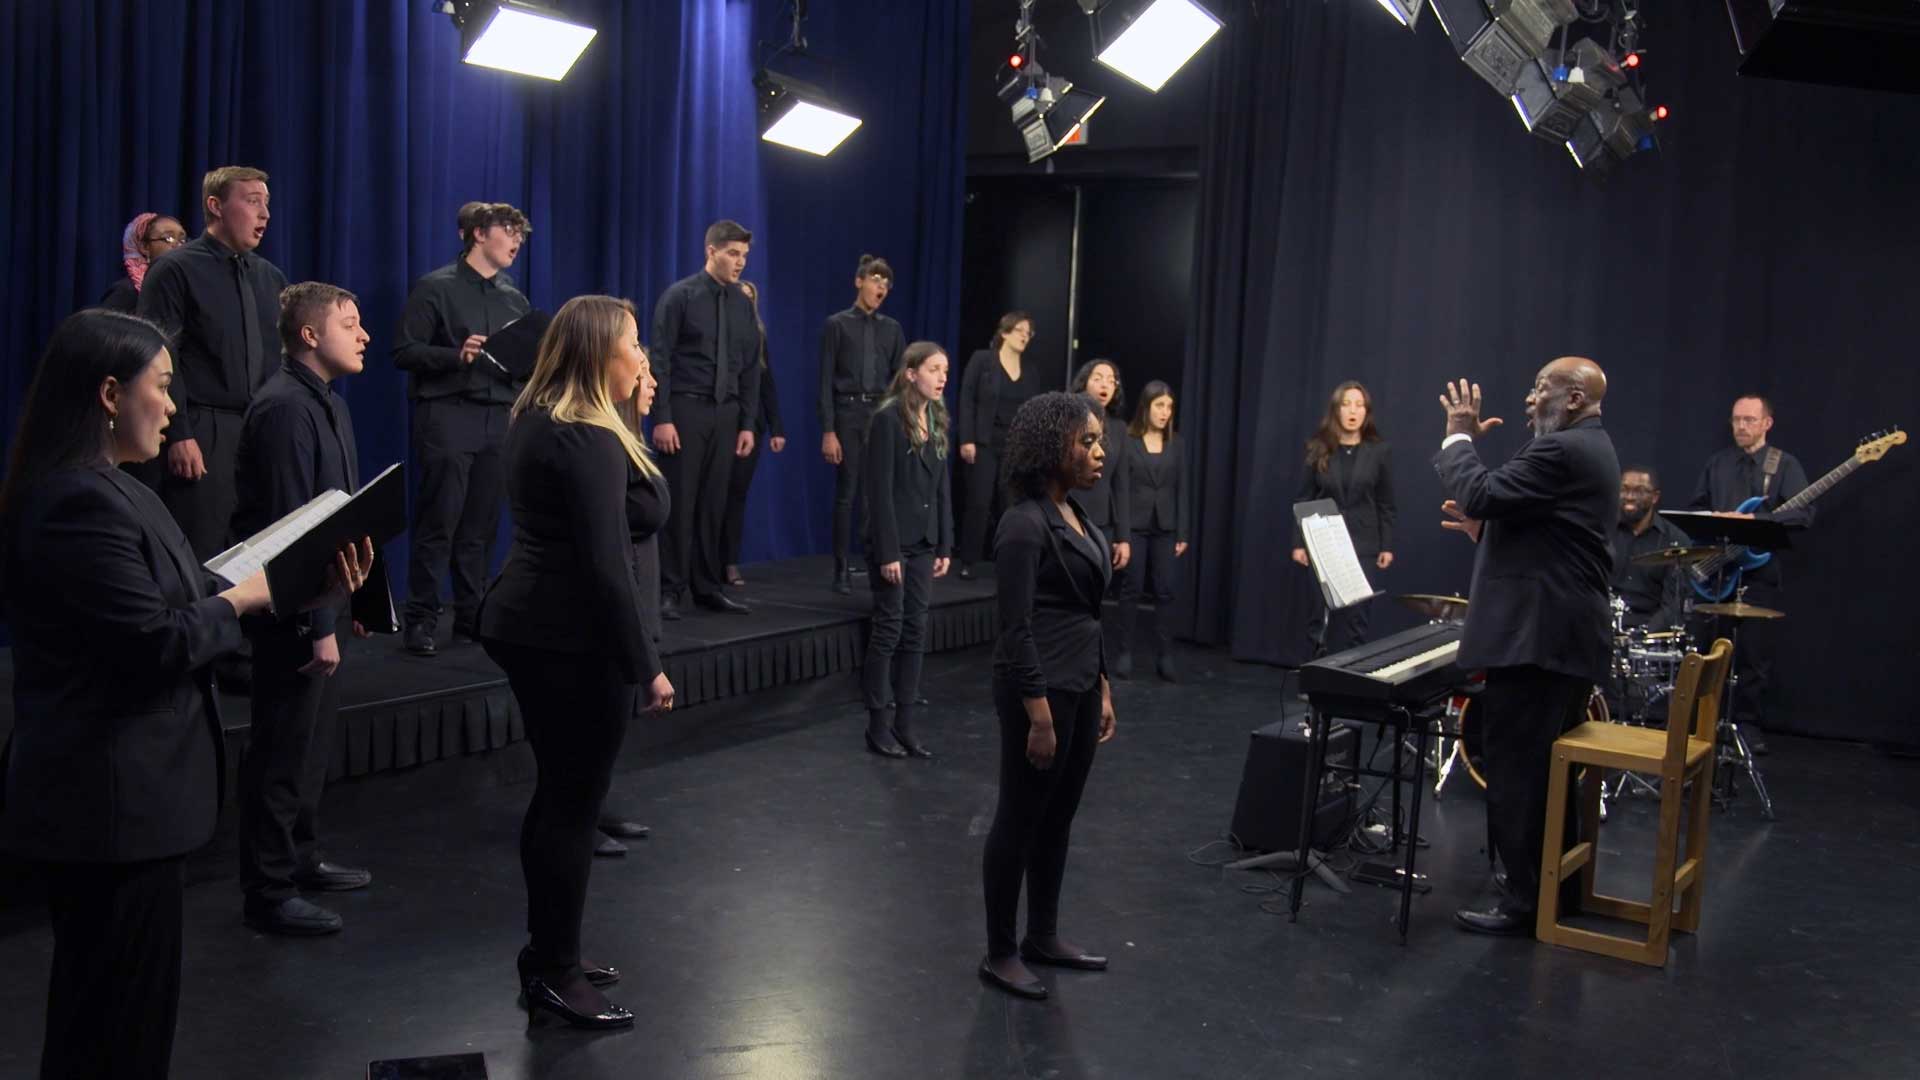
(541, 998)
(293, 917)
(886, 749)
(965, 573)
(722, 605)
(1078, 961)
(1029, 988)
(602, 976)
(670, 608)
(329, 877)
(911, 745)
(1503, 919)
(624, 830)
(609, 848)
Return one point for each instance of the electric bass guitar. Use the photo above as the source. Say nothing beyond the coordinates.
(1717, 576)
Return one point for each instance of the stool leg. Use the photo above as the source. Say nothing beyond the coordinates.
(1660, 913)
(1699, 813)
(1547, 907)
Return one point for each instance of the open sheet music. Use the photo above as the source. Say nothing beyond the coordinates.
(1330, 548)
(297, 550)
(250, 556)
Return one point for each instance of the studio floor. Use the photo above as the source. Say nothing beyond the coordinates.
(804, 909)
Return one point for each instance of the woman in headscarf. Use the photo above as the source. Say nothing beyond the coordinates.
(147, 237)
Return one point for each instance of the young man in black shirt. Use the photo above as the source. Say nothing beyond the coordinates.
(860, 349)
(297, 441)
(1653, 594)
(461, 398)
(706, 346)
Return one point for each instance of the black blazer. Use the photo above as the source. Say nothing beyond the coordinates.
(648, 504)
(1109, 501)
(1157, 489)
(1540, 573)
(567, 585)
(1048, 584)
(980, 396)
(1365, 502)
(909, 495)
(116, 753)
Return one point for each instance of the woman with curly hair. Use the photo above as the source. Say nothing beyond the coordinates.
(1050, 692)
(1348, 462)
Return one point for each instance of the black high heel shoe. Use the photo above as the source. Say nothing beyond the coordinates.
(542, 998)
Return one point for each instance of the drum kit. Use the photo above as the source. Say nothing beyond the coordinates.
(1646, 660)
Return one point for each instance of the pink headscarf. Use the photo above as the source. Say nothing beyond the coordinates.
(131, 256)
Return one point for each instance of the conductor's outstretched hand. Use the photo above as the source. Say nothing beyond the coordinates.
(1462, 402)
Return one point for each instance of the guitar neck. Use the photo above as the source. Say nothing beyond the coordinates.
(1820, 486)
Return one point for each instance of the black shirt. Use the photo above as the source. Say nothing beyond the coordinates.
(446, 307)
(706, 342)
(223, 349)
(859, 352)
(1653, 593)
(1049, 581)
(1012, 394)
(121, 296)
(1732, 475)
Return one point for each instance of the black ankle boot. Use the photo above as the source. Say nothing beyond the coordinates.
(879, 738)
(903, 716)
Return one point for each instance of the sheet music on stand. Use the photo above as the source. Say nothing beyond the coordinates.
(1330, 548)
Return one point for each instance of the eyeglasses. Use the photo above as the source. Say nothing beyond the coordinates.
(1747, 421)
(166, 238)
(1636, 489)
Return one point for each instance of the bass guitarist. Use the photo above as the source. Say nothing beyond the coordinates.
(1733, 477)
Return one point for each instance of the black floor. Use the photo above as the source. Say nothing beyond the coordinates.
(807, 910)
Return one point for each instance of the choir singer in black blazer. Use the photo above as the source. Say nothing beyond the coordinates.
(563, 621)
(909, 540)
(1161, 509)
(1349, 463)
(113, 771)
(1050, 691)
(1538, 620)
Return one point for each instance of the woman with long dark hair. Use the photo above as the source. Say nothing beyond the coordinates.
(1050, 691)
(994, 386)
(113, 771)
(1348, 462)
(909, 540)
(563, 620)
(1161, 510)
(1106, 502)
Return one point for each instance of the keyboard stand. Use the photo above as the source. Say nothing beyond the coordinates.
(1290, 860)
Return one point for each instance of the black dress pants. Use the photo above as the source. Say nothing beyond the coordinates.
(897, 644)
(1753, 655)
(284, 771)
(114, 993)
(1149, 573)
(1523, 710)
(691, 548)
(851, 417)
(984, 502)
(458, 450)
(204, 507)
(1034, 818)
(575, 708)
(739, 483)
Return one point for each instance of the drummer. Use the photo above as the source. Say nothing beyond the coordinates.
(1652, 592)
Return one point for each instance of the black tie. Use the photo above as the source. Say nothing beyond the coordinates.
(249, 324)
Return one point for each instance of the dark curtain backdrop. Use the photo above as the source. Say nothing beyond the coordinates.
(374, 133)
(1371, 210)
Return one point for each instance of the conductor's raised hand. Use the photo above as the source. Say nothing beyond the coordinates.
(1458, 521)
(1462, 402)
(666, 438)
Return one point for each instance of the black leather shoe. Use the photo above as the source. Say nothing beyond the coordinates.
(843, 583)
(1029, 987)
(888, 749)
(624, 830)
(722, 605)
(609, 848)
(670, 608)
(1079, 961)
(542, 998)
(419, 641)
(1503, 918)
(292, 917)
(329, 877)
(1123, 665)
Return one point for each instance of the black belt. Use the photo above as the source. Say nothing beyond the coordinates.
(858, 397)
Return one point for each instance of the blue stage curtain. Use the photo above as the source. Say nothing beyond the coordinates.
(375, 133)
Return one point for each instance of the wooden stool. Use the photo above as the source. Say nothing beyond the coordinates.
(1680, 755)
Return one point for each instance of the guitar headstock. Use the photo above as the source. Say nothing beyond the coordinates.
(1876, 446)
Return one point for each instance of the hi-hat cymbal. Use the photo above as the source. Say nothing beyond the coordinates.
(1435, 607)
(1674, 556)
(1740, 609)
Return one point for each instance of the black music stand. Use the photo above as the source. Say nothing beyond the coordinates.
(1336, 567)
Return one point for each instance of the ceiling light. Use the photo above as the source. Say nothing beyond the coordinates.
(1159, 41)
(797, 115)
(516, 36)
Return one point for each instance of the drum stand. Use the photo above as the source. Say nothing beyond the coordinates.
(1735, 755)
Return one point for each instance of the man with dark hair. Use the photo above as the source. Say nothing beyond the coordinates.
(706, 345)
(1733, 474)
(461, 398)
(297, 442)
(218, 301)
(1652, 594)
(860, 349)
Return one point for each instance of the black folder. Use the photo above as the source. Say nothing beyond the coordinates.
(512, 349)
(297, 572)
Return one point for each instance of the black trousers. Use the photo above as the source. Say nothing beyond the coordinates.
(1034, 817)
(114, 993)
(739, 482)
(984, 502)
(897, 644)
(1523, 710)
(204, 507)
(576, 710)
(691, 546)
(851, 415)
(1347, 627)
(1149, 573)
(1754, 654)
(458, 452)
(285, 768)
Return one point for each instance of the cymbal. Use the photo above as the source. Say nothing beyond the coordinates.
(1740, 609)
(1435, 607)
(1674, 556)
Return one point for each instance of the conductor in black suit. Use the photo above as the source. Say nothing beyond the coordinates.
(296, 442)
(113, 770)
(1349, 463)
(1538, 619)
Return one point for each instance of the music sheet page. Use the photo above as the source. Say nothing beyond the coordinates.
(250, 556)
(1331, 549)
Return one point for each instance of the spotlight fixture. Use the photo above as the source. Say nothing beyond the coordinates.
(1158, 40)
(800, 116)
(1551, 102)
(1626, 126)
(517, 36)
(1407, 11)
(1589, 147)
(1496, 38)
(1048, 110)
